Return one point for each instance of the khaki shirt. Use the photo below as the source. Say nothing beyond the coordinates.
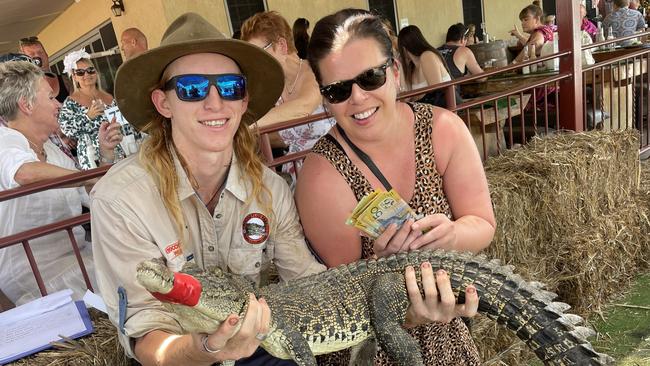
(131, 224)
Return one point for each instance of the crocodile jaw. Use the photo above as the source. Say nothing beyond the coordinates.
(155, 276)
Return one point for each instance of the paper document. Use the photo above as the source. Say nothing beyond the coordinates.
(95, 301)
(30, 328)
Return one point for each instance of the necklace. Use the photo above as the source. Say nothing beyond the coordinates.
(295, 81)
(219, 189)
(39, 151)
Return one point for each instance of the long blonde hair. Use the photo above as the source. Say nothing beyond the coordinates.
(157, 158)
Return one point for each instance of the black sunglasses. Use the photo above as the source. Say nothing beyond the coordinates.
(196, 87)
(80, 72)
(368, 80)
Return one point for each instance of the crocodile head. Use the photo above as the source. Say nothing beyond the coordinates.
(155, 276)
(202, 299)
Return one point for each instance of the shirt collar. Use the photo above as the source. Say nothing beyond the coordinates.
(235, 182)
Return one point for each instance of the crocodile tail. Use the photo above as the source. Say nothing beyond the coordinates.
(521, 306)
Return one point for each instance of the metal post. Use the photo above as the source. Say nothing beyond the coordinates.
(571, 89)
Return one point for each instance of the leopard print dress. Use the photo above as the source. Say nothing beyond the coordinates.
(441, 344)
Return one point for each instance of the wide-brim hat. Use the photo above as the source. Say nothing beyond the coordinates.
(189, 34)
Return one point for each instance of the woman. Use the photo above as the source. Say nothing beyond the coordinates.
(423, 65)
(472, 38)
(301, 36)
(425, 153)
(83, 112)
(586, 25)
(28, 156)
(300, 97)
(537, 33)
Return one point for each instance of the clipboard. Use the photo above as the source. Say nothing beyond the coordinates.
(17, 348)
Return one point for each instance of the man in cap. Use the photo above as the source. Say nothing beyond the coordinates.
(197, 192)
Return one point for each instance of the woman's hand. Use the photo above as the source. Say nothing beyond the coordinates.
(515, 32)
(110, 134)
(441, 233)
(439, 303)
(233, 341)
(96, 108)
(394, 240)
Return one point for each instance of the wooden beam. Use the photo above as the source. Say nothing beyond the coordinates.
(568, 21)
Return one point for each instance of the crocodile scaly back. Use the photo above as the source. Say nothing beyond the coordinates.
(444, 345)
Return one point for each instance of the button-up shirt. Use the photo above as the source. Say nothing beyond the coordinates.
(624, 22)
(131, 224)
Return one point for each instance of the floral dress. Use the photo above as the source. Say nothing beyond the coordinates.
(77, 125)
(303, 137)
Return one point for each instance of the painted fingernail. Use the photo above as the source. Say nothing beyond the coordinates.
(471, 289)
(234, 320)
(426, 265)
(261, 300)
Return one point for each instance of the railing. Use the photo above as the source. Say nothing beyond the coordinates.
(616, 89)
(473, 112)
(67, 225)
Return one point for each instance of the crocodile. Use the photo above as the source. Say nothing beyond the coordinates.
(358, 304)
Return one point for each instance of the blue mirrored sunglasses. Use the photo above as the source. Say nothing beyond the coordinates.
(196, 87)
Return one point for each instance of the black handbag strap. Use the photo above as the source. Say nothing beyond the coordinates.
(365, 158)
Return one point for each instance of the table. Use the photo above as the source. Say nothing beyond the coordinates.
(493, 85)
(476, 122)
(501, 83)
(617, 84)
(604, 55)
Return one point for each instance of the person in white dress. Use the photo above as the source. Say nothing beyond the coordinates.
(27, 156)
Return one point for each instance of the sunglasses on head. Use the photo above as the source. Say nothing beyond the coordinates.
(32, 39)
(368, 80)
(80, 72)
(196, 87)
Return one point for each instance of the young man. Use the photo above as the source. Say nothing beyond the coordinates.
(459, 58)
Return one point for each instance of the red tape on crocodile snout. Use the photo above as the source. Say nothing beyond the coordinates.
(186, 291)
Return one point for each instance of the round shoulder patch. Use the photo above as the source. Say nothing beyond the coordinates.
(255, 228)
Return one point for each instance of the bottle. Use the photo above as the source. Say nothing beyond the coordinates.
(532, 55)
(610, 36)
(526, 69)
(600, 35)
(486, 36)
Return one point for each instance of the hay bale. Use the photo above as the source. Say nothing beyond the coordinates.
(101, 348)
(558, 198)
(568, 214)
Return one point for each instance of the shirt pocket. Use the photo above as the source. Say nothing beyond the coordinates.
(247, 261)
